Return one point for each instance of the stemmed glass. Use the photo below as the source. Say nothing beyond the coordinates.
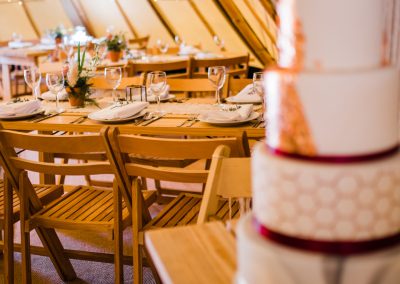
(33, 77)
(55, 83)
(162, 46)
(258, 88)
(113, 77)
(216, 75)
(157, 81)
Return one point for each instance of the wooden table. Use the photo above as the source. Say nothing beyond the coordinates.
(203, 253)
(168, 125)
(20, 56)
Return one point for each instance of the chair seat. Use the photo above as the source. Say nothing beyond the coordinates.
(185, 208)
(46, 194)
(86, 207)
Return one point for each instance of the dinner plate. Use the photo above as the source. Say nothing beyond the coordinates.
(164, 99)
(119, 120)
(22, 116)
(252, 116)
(233, 101)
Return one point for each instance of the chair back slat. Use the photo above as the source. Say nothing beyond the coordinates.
(62, 169)
(190, 85)
(102, 84)
(188, 148)
(167, 174)
(73, 144)
(235, 65)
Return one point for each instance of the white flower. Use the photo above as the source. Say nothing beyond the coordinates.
(72, 74)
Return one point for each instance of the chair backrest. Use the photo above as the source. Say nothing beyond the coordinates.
(102, 84)
(235, 85)
(235, 65)
(92, 148)
(139, 42)
(174, 69)
(228, 178)
(124, 146)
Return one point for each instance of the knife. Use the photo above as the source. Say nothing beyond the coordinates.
(152, 120)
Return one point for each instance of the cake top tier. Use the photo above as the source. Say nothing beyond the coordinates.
(327, 35)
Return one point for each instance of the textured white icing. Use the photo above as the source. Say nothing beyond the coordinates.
(358, 201)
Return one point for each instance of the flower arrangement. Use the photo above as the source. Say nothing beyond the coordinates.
(77, 83)
(116, 42)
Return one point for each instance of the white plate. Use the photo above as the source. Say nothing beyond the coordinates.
(164, 99)
(22, 116)
(252, 116)
(119, 120)
(233, 101)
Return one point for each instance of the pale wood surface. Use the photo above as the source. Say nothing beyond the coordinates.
(203, 253)
(168, 125)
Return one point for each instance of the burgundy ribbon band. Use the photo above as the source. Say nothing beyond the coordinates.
(342, 248)
(336, 159)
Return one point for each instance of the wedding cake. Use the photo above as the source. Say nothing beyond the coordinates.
(326, 182)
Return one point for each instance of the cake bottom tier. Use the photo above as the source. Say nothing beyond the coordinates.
(263, 261)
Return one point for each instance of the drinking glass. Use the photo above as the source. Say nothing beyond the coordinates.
(113, 77)
(157, 81)
(162, 46)
(32, 78)
(216, 75)
(55, 83)
(258, 88)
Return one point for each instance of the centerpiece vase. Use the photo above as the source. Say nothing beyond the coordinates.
(75, 101)
(114, 56)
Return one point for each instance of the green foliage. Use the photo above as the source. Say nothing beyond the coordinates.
(116, 43)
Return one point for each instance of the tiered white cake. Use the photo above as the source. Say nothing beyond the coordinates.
(326, 184)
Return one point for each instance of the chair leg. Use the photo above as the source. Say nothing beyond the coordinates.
(118, 243)
(8, 234)
(137, 262)
(25, 240)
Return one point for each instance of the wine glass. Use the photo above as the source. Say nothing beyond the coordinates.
(219, 42)
(162, 46)
(55, 83)
(216, 75)
(157, 81)
(258, 88)
(32, 78)
(113, 77)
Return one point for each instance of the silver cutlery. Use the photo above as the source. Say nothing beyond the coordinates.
(145, 117)
(44, 117)
(192, 121)
(152, 120)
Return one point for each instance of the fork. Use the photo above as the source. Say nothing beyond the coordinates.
(193, 120)
(189, 119)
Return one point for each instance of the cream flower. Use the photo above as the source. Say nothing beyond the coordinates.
(72, 74)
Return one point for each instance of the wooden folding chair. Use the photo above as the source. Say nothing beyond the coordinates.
(139, 42)
(174, 69)
(191, 87)
(83, 208)
(185, 207)
(235, 66)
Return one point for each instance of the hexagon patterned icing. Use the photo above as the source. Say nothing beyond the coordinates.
(357, 201)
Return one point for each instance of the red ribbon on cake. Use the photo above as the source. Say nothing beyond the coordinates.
(336, 159)
(327, 247)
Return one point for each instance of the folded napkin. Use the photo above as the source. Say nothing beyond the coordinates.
(152, 98)
(119, 112)
(19, 108)
(188, 50)
(19, 44)
(49, 96)
(226, 116)
(246, 95)
(207, 55)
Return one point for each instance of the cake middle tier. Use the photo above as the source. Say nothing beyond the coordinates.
(327, 202)
(332, 114)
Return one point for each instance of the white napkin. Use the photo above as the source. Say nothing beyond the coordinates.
(152, 98)
(188, 50)
(226, 116)
(246, 95)
(207, 55)
(19, 44)
(119, 112)
(19, 108)
(49, 96)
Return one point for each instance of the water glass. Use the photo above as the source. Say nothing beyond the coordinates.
(217, 75)
(32, 78)
(113, 77)
(55, 83)
(157, 82)
(162, 46)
